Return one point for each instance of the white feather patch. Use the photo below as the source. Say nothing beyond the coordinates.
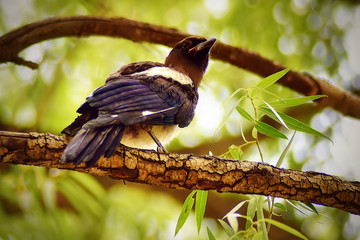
(147, 113)
(167, 73)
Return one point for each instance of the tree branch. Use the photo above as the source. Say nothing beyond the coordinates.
(186, 171)
(14, 42)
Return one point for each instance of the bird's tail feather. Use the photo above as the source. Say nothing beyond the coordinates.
(90, 143)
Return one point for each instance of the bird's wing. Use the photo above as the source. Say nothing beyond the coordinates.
(131, 100)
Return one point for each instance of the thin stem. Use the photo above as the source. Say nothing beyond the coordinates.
(253, 104)
(259, 149)
(256, 138)
(271, 210)
(270, 203)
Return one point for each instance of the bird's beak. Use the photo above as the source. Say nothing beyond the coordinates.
(203, 46)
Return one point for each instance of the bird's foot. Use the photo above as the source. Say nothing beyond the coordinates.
(161, 149)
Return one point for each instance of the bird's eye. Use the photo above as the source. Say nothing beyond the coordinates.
(185, 45)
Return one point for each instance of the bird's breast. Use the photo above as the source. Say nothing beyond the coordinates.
(136, 136)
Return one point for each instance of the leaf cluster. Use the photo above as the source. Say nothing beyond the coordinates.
(259, 228)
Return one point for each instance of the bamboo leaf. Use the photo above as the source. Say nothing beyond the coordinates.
(293, 123)
(292, 203)
(210, 234)
(200, 205)
(292, 102)
(244, 113)
(232, 95)
(270, 93)
(236, 208)
(280, 206)
(260, 217)
(254, 133)
(286, 150)
(232, 216)
(268, 130)
(267, 82)
(309, 206)
(312, 207)
(185, 212)
(296, 207)
(229, 231)
(229, 113)
(285, 228)
(258, 236)
(236, 152)
(276, 114)
(233, 221)
(251, 209)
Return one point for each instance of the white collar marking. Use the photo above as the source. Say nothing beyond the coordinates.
(167, 73)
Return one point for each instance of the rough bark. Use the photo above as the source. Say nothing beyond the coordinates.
(187, 171)
(13, 43)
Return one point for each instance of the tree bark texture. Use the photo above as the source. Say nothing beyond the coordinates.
(13, 43)
(187, 171)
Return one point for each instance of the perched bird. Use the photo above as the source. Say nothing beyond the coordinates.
(141, 105)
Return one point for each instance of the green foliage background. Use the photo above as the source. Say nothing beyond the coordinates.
(318, 37)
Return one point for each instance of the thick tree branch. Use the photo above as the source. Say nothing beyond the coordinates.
(14, 42)
(186, 171)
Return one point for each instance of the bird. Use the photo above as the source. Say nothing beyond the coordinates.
(142, 105)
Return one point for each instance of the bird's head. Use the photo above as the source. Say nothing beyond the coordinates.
(191, 56)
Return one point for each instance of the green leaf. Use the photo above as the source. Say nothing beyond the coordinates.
(270, 93)
(236, 152)
(229, 231)
(267, 82)
(260, 217)
(251, 209)
(292, 203)
(254, 133)
(236, 208)
(292, 102)
(229, 113)
(285, 228)
(244, 113)
(268, 130)
(258, 236)
(276, 114)
(309, 206)
(210, 234)
(280, 206)
(201, 198)
(232, 95)
(293, 123)
(185, 212)
(312, 207)
(232, 216)
(286, 150)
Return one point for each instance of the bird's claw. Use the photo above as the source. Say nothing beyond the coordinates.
(161, 149)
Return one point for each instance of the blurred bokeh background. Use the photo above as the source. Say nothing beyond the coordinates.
(316, 37)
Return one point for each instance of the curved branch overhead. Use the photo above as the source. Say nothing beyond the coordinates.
(187, 171)
(11, 44)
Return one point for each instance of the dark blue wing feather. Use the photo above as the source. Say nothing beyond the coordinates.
(102, 98)
(128, 100)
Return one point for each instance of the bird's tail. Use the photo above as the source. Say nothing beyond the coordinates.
(89, 144)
